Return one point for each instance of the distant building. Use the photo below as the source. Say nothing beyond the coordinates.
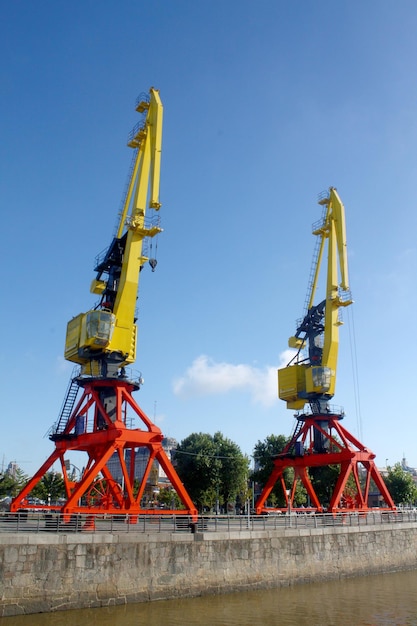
(12, 469)
(407, 468)
(157, 476)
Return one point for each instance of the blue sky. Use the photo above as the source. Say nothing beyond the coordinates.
(265, 105)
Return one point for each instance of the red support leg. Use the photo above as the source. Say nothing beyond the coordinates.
(323, 443)
(100, 432)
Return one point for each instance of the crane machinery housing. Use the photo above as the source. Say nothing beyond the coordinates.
(99, 408)
(307, 384)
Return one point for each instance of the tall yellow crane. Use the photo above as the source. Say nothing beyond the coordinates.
(102, 341)
(307, 384)
(312, 378)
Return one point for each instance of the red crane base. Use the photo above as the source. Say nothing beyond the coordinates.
(321, 441)
(97, 427)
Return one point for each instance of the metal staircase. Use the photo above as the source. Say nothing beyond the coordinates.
(67, 405)
(290, 447)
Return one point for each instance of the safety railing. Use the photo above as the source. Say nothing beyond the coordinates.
(40, 522)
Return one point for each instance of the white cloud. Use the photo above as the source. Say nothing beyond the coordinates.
(206, 377)
(63, 366)
(286, 356)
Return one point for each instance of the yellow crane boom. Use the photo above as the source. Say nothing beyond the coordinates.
(103, 340)
(312, 378)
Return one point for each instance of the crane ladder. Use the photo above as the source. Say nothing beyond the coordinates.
(67, 405)
(290, 445)
(312, 273)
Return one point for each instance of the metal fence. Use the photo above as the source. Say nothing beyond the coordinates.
(40, 522)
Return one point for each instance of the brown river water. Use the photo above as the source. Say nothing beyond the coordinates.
(380, 600)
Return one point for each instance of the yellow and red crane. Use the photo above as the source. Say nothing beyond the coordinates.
(99, 408)
(307, 384)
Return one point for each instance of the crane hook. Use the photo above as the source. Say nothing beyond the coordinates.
(153, 263)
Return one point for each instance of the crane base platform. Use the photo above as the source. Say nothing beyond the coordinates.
(320, 441)
(111, 481)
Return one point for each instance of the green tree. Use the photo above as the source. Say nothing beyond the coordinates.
(7, 484)
(169, 498)
(11, 483)
(324, 478)
(401, 485)
(213, 469)
(50, 488)
(264, 453)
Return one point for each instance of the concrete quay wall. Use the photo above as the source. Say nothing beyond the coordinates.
(49, 572)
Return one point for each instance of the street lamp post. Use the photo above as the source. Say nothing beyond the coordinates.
(288, 492)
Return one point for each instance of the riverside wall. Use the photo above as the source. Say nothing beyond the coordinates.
(50, 572)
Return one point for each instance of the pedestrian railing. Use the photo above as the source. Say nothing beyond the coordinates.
(40, 522)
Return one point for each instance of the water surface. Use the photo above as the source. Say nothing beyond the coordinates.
(381, 600)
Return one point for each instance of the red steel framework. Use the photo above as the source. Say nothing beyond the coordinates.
(321, 441)
(99, 428)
